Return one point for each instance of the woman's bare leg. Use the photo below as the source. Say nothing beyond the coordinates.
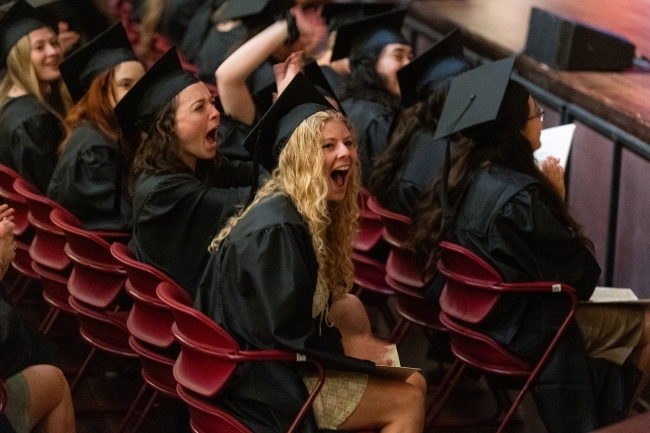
(640, 356)
(50, 401)
(391, 406)
(350, 316)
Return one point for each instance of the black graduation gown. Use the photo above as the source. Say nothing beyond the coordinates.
(507, 220)
(423, 161)
(175, 217)
(259, 287)
(372, 123)
(91, 181)
(230, 136)
(176, 17)
(215, 48)
(197, 29)
(335, 80)
(29, 138)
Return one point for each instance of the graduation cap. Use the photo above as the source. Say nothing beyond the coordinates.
(368, 36)
(18, 21)
(102, 53)
(238, 9)
(299, 100)
(164, 80)
(433, 69)
(338, 14)
(474, 106)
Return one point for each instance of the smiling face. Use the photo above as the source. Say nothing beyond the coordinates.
(533, 129)
(393, 57)
(339, 157)
(125, 75)
(46, 54)
(197, 120)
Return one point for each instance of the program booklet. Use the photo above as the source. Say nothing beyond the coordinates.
(615, 295)
(394, 371)
(556, 142)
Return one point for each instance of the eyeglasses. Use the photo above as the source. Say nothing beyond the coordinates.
(539, 112)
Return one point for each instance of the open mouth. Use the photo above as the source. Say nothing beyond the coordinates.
(339, 175)
(212, 136)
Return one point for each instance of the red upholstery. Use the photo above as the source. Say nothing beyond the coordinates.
(96, 278)
(209, 356)
(14, 199)
(150, 319)
(473, 288)
(47, 246)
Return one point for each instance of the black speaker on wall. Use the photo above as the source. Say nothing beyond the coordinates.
(573, 46)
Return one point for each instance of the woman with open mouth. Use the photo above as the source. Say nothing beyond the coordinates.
(183, 189)
(279, 277)
(91, 177)
(33, 97)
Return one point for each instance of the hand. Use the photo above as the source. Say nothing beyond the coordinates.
(67, 37)
(363, 346)
(285, 72)
(7, 245)
(554, 172)
(312, 28)
(6, 212)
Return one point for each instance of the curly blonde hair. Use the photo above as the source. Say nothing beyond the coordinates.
(332, 225)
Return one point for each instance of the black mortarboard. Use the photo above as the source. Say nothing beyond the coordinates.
(474, 107)
(475, 97)
(338, 14)
(102, 53)
(237, 9)
(299, 100)
(160, 84)
(368, 36)
(433, 69)
(18, 21)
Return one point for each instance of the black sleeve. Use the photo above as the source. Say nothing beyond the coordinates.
(527, 236)
(34, 149)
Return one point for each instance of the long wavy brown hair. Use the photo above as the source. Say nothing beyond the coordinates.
(332, 225)
(508, 148)
(159, 152)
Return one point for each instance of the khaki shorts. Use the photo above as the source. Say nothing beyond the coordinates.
(610, 331)
(338, 398)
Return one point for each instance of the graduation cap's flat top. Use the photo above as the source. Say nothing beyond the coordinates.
(299, 100)
(475, 97)
(432, 69)
(368, 36)
(236, 9)
(18, 21)
(338, 14)
(164, 80)
(102, 53)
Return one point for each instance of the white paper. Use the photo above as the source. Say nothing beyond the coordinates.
(556, 142)
(612, 294)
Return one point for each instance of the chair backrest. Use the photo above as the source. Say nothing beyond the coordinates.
(206, 417)
(47, 246)
(370, 224)
(471, 291)
(396, 226)
(206, 360)
(96, 278)
(150, 319)
(13, 199)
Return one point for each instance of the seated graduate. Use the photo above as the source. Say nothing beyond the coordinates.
(38, 395)
(169, 17)
(200, 26)
(337, 15)
(413, 159)
(33, 97)
(183, 189)
(246, 80)
(512, 214)
(376, 49)
(91, 177)
(279, 269)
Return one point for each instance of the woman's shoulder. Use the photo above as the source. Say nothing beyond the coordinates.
(87, 136)
(23, 107)
(275, 213)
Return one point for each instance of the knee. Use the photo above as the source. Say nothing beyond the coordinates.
(419, 382)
